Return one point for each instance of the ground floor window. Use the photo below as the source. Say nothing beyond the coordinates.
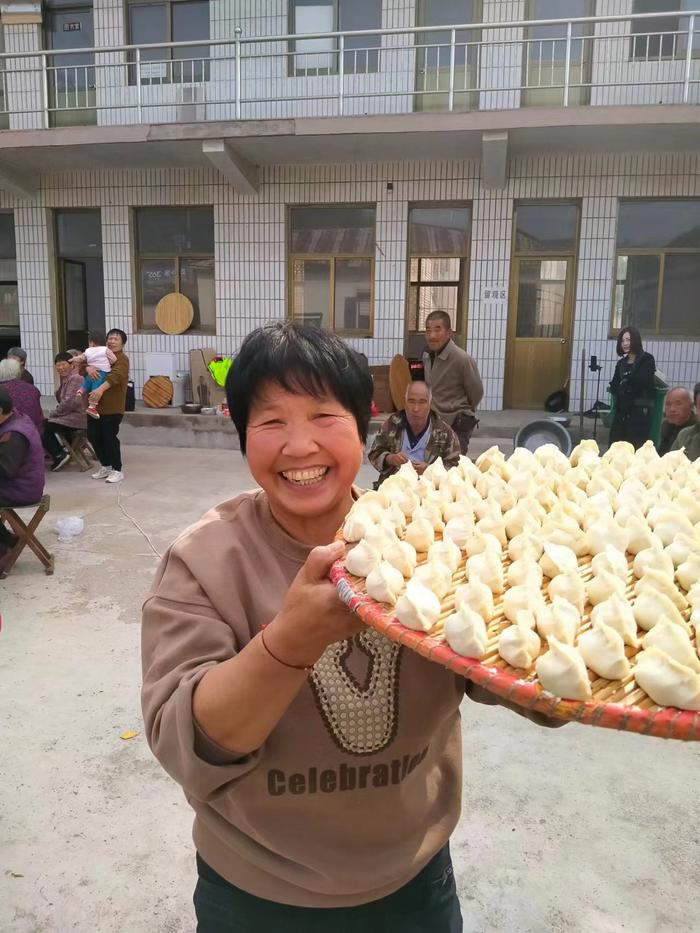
(331, 268)
(9, 305)
(657, 267)
(175, 253)
(438, 242)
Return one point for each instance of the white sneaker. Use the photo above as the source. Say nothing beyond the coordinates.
(115, 476)
(102, 473)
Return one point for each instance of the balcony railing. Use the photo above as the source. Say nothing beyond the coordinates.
(594, 61)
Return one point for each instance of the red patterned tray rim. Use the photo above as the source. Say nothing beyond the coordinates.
(667, 723)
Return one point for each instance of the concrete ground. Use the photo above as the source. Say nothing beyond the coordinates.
(573, 829)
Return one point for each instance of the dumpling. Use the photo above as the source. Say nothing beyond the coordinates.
(525, 545)
(612, 561)
(562, 671)
(689, 505)
(682, 546)
(468, 468)
(606, 533)
(641, 537)
(519, 645)
(445, 552)
(526, 617)
(675, 641)
(688, 574)
(381, 536)
(693, 595)
(420, 534)
(488, 568)
(459, 530)
(454, 482)
(525, 571)
(558, 559)
(552, 458)
(596, 509)
(667, 682)
(459, 509)
(465, 633)
(560, 619)
(652, 558)
(372, 503)
(602, 586)
(477, 596)
(479, 542)
(667, 523)
(650, 606)
(521, 518)
(402, 555)
(572, 538)
(492, 524)
(418, 608)
(493, 458)
(570, 587)
(407, 473)
(436, 576)
(657, 580)
(617, 613)
(384, 583)
(356, 525)
(518, 598)
(603, 650)
(586, 449)
(430, 511)
(403, 497)
(362, 559)
(436, 472)
(396, 517)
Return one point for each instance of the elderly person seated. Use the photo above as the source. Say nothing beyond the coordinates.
(689, 438)
(416, 434)
(21, 464)
(68, 417)
(678, 414)
(26, 398)
(17, 353)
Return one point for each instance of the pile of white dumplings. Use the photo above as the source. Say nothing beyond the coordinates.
(522, 528)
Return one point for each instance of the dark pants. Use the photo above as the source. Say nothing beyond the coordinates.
(52, 445)
(103, 434)
(7, 539)
(463, 426)
(632, 424)
(427, 904)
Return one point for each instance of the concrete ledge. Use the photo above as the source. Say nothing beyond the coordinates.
(168, 428)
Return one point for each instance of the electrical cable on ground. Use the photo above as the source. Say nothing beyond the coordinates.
(136, 524)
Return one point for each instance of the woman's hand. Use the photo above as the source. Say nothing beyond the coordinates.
(92, 372)
(312, 615)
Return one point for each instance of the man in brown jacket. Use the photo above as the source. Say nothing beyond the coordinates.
(453, 378)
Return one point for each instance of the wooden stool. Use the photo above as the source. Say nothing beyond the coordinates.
(26, 534)
(79, 450)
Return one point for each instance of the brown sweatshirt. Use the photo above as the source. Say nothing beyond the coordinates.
(113, 401)
(454, 381)
(356, 788)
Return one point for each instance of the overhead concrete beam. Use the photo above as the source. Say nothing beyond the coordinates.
(237, 170)
(17, 183)
(494, 159)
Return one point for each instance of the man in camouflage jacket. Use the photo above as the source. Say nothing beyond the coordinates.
(416, 434)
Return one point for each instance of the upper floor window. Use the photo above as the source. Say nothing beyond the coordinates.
(437, 68)
(663, 36)
(170, 21)
(545, 58)
(657, 276)
(175, 253)
(320, 56)
(331, 268)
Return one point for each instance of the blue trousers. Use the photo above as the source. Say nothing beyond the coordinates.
(427, 904)
(90, 384)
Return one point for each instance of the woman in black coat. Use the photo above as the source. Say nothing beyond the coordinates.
(633, 389)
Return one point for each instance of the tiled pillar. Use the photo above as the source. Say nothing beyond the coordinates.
(34, 286)
(112, 91)
(25, 78)
(502, 56)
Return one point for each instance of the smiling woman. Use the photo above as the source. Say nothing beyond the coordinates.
(256, 677)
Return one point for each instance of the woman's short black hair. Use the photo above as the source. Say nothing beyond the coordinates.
(115, 330)
(62, 357)
(303, 360)
(6, 406)
(635, 341)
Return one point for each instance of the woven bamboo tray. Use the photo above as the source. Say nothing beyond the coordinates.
(616, 704)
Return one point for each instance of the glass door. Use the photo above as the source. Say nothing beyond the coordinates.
(71, 77)
(434, 56)
(80, 277)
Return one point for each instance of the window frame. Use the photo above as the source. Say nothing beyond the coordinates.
(139, 257)
(661, 252)
(675, 35)
(331, 258)
(167, 58)
(462, 315)
(299, 72)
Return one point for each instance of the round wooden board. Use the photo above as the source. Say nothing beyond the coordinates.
(158, 392)
(399, 380)
(174, 313)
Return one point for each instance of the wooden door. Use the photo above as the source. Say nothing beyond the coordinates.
(540, 317)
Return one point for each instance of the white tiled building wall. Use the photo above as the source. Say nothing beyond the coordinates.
(251, 242)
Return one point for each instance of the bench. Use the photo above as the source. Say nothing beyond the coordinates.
(26, 534)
